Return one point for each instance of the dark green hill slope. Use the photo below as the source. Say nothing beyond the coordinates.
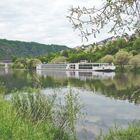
(9, 48)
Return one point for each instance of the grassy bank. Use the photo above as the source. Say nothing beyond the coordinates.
(36, 117)
(14, 127)
(118, 133)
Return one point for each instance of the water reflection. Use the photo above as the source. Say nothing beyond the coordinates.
(118, 86)
(99, 112)
(108, 98)
(82, 75)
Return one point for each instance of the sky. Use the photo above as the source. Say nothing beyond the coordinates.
(42, 21)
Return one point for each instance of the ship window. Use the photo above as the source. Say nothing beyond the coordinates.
(72, 66)
(95, 65)
(85, 66)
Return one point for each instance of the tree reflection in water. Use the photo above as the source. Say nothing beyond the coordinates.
(124, 86)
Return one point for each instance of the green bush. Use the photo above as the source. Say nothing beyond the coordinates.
(135, 61)
(122, 58)
(58, 60)
(107, 59)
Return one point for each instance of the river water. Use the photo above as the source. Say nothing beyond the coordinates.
(108, 99)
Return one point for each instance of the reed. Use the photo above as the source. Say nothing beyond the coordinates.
(35, 116)
(132, 132)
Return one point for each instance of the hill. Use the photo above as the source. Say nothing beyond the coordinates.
(98, 52)
(9, 48)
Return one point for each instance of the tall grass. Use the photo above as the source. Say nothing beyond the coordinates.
(3, 89)
(38, 117)
(35, 107)
(34, 116)
(119, 133)
(15, 127)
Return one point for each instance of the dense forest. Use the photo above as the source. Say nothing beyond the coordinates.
(110, 50)
(10, 49)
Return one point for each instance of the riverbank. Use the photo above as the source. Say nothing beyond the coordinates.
(13, 126)
(20, 121)
(119, 133)
(37, 116)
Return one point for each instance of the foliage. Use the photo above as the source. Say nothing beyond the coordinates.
(117, 133)
(13, 49)
(107, 59)
(91, 20)
(92, 53)
(122, 58)
(33, 107)
(32, 63)
(134, 52)
(135, 61)
(69, 113)
(33, 116)
(96, 52)
(58, 60)
(23, 63)
(136, 45)
(14, 127)
(39, 107)
(3, 89)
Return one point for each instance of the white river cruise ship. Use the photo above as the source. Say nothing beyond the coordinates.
(82, 66)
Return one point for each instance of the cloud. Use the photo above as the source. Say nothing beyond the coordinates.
(42, 21)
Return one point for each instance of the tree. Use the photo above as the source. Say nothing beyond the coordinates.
(136, 45)
(134, 52)
(33, 63)
(122, 58)
(107, 59)
(14, 58)
(64, 53)
(20, 63)
(123, 15)
(58, 60)
(135, 61)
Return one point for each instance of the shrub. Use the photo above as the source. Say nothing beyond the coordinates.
(36, 116)
(57, 60)
(135, 61)
(33, 63)
(14, 127)
(3, 89)
(38, 108)
(122, 58)
(107, 59)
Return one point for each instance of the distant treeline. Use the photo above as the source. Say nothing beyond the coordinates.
(120, 51)
(11, 49)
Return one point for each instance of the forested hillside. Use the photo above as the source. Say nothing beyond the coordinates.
(108, 51)
(9, 49)
(120, 50)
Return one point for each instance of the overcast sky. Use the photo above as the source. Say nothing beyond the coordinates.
(42, 21)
